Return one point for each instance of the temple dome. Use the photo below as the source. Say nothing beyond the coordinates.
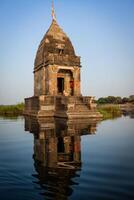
(55, 42)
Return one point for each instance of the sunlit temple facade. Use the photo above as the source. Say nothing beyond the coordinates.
(57, 82)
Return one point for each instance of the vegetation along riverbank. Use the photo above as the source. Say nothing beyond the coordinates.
(12, 110)
(112, 107)
(109, 111)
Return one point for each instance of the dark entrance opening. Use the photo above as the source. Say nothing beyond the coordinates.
(61, 148)
(60, 83)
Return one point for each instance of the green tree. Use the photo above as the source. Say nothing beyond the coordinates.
(125, 100)
(118, 100)
(131, 98)
(102, 100)
(111, 99)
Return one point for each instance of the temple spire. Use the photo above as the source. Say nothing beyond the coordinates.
(53, 11)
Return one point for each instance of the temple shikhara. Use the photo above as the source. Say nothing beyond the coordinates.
(57, 82)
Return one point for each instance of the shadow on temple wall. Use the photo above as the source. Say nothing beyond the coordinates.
(57, 153)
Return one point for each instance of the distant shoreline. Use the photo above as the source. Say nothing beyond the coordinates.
(12, 110)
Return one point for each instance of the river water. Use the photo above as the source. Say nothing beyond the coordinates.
(60, 160)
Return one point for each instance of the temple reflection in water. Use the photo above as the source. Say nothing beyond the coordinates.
(57, 153)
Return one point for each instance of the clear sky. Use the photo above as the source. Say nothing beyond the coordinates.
(102, 32)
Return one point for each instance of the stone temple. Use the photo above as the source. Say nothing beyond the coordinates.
(57, 82)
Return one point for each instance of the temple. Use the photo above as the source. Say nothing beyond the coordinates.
(57, 81)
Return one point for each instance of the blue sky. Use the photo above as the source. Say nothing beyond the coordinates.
(102, 32)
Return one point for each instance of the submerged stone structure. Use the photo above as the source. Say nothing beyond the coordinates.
(57, 82)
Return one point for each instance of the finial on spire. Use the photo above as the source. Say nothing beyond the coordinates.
(53, 11)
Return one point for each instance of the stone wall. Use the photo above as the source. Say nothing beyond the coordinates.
(45, 80)
(61, 106)
(39, 82)
(31, 105)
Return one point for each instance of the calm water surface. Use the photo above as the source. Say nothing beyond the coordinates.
(66, 160)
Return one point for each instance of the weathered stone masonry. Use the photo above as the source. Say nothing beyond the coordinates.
(57, 91)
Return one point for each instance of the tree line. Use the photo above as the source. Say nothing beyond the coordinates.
(116, 100)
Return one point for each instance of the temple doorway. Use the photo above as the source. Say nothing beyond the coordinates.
(65, 82)
(60, 84)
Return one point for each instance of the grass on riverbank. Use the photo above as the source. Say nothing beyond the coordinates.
(13, 110)
(109, 111)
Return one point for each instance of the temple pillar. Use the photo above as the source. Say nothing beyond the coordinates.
(76, 75)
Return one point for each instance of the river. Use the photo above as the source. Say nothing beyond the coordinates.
(60, 159)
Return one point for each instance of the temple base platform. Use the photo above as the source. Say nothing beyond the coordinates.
(71, 107)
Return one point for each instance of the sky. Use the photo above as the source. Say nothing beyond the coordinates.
(101, 31)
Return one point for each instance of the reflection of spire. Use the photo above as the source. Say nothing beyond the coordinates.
(53, 11)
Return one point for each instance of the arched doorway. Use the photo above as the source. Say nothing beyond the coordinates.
(65, 82)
